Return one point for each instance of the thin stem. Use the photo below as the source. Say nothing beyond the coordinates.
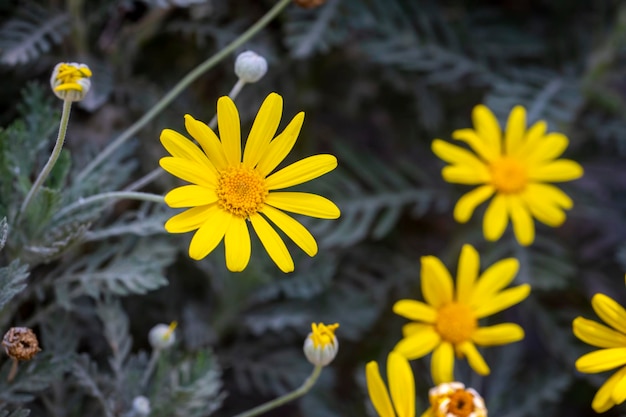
(58, 146)
(270, 405)
(131, 195)
(156, 173)
(182, 84)
(148, 372)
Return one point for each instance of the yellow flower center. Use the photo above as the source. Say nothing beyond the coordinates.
(241, 191)
(322, 334)
(455, 323)
(508, 175)
(461, 404)
(68, 75)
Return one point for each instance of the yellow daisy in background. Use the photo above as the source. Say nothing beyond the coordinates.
(401, 386)
(229, 189)
(612, 341)
(447, 323)
(515, 168)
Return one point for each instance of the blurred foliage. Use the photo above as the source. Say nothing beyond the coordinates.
(378, 80)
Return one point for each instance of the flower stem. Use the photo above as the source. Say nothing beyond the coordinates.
(154, 358)
(182, 84)
(270, 405)
(132, 195)
(58, 146)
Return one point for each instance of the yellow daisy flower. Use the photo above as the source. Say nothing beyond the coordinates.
(612, 340)
(401, 386)
(229, 189)
(447, 323)
(515, 168)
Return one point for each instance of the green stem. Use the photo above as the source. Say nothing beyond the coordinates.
(182, 84)
(131, 195)
(58, 146)
(270, 405)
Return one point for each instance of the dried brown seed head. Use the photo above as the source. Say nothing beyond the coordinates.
(20, 343)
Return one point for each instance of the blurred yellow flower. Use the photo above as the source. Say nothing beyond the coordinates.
(515, 166)
(401, 386)
(229, 189)
(612, 340)
(447, 323)
(452, 399)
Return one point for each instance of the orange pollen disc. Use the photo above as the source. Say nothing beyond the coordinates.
(455, 323)
(461, 404)
(508, 175)
(241, 191)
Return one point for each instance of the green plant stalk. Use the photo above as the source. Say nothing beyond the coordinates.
(270, 405)
(156, 173)
(56, 151)
(182, 84)
(131, 195)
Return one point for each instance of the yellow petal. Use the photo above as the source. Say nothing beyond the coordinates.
(603, 400)
(502, 301)
(190, 219)
(181, 147)
(263, 129)
(601, 360)
(596, 334)
(609, 311)
(272, 243)
(456, 155)
(237, 245)
(487, 128)
(467, 271)
(463, 174)
(230, 129)
(479, 146)
(209, 234)
(467, 204)
(550, 147)
(523, 225)
(543, 209)
(208, 140)
(415, 310)
(304, 203)
(556, 171)
(474, 358)
(533, 137)
(442, 363)
(496, 218)
(292, 228)
(280, 147)
(550, 193)
(302, 171)
(515, 130)
(190, 171)
(419, 344)
(499, 334)
(190, 196)
(493, 279)
(377, 391)
(413, 328)
(401, 384)
(619, 392)
(436, 282)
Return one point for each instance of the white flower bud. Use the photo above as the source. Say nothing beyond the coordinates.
(70, 81)
(141, 406)
(250, 67)
(162, 336)
(321, 346)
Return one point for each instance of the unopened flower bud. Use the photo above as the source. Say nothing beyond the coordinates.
(20, 343)
(70, 81)
(141, 406)
(321, 345)
(250, 67)
(162, 336)
(452, 399)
